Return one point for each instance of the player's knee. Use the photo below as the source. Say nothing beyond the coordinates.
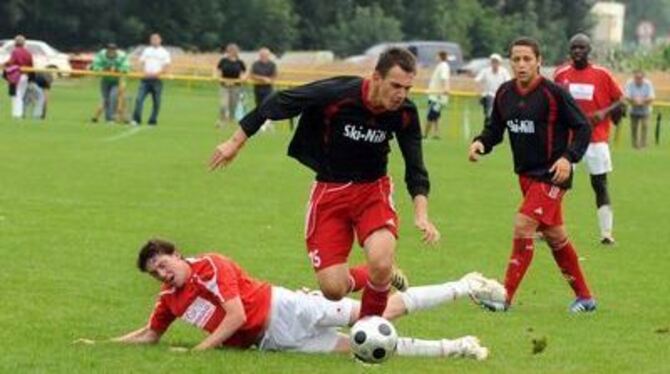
(334, 290)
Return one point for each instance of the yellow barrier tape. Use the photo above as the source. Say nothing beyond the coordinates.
(199, 78)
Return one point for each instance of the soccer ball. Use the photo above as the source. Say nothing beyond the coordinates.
(373, 339)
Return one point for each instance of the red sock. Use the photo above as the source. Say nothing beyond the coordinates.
(567, 261)
(522, 255)
(358, 278)
(374, 300)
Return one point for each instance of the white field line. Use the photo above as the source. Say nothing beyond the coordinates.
(123, 135)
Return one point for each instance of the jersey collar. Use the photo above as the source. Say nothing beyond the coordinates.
(523, 91)
(365, 90)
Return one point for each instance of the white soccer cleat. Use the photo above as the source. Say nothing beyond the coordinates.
(467, 346)
(485, 291)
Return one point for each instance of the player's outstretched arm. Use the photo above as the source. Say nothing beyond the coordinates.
(234, 319)
(430, 233)
(144, 335)
(225, 152)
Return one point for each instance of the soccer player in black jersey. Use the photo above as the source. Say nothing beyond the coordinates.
(539, 117)
(343, 134)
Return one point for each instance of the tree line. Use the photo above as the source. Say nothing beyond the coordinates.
(344, 26)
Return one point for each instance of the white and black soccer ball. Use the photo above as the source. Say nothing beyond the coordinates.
(373, 339)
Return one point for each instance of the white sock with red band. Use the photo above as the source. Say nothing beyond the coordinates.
(425, 297)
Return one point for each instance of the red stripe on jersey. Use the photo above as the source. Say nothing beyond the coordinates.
(551, 121)
(523, 91)
(329, 112)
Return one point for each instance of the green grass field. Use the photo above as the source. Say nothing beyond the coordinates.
(77, 201)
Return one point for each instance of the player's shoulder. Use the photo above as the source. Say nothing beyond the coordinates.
(566, 68)
(205, 265)
(507, 86)
(602, 72)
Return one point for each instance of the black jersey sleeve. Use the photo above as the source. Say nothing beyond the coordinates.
(290, 103)
(494, 129)
(409, 140)
(575, 119)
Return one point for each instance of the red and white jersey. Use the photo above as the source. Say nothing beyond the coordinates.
(214, 279)
(594, 89)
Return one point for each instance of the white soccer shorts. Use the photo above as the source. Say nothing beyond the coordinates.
(597, 158)
(304, 322)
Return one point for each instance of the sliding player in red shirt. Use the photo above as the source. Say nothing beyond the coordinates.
(214, 293)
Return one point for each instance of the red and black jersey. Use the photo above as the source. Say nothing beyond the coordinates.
(341, 136)
(539, 120)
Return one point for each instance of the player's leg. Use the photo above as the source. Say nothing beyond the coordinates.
(566, 258)
(634, 123)
(599, 163)
(380, 251)
(420, 298)
(334, 281)
(142, 92)
(644, 127)
(603, 204)
(328, 238)
(522, 253)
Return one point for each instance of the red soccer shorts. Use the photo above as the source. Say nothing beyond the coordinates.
(338, 211)
(541, 201)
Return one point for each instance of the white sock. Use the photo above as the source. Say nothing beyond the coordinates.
(605, 220)
(425, 297)
(419, 347)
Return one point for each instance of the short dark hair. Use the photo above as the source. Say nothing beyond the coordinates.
(152, 248)
(526, 41)
(442, 55)
(396, 56)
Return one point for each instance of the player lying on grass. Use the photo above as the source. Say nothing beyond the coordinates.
(215, 294)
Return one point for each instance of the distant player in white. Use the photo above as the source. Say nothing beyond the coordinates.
(215, 294)
(438, 98)
(490, 79)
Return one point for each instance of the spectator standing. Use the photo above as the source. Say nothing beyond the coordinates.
(37, 94)
(232, 70)
(263, 74)
(110, 60)
(18, 80)
(439, 94)
(155, 61)
(490, 79)
(639, 93)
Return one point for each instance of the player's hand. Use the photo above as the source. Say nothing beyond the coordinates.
(83, 341)
(597, 116)
(224, 154)
(177, 349)
(430, 234)
(476, 150)
(561, 170)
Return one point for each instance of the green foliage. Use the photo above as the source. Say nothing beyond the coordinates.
(345, 26)
(365, 27)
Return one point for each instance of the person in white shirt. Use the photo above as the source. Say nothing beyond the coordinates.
(490, 79)
(438, 94)
(155, 60)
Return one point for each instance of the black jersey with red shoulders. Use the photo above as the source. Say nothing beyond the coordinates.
(341, 136)
(539, 120)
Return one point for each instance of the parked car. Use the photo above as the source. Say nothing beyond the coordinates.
(44, 55)
(425, 51)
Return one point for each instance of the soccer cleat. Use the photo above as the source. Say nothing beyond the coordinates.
(583, 305)
(486, 292)
(399, 280)
(494, 306)
(607, 240)
(467, 346)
